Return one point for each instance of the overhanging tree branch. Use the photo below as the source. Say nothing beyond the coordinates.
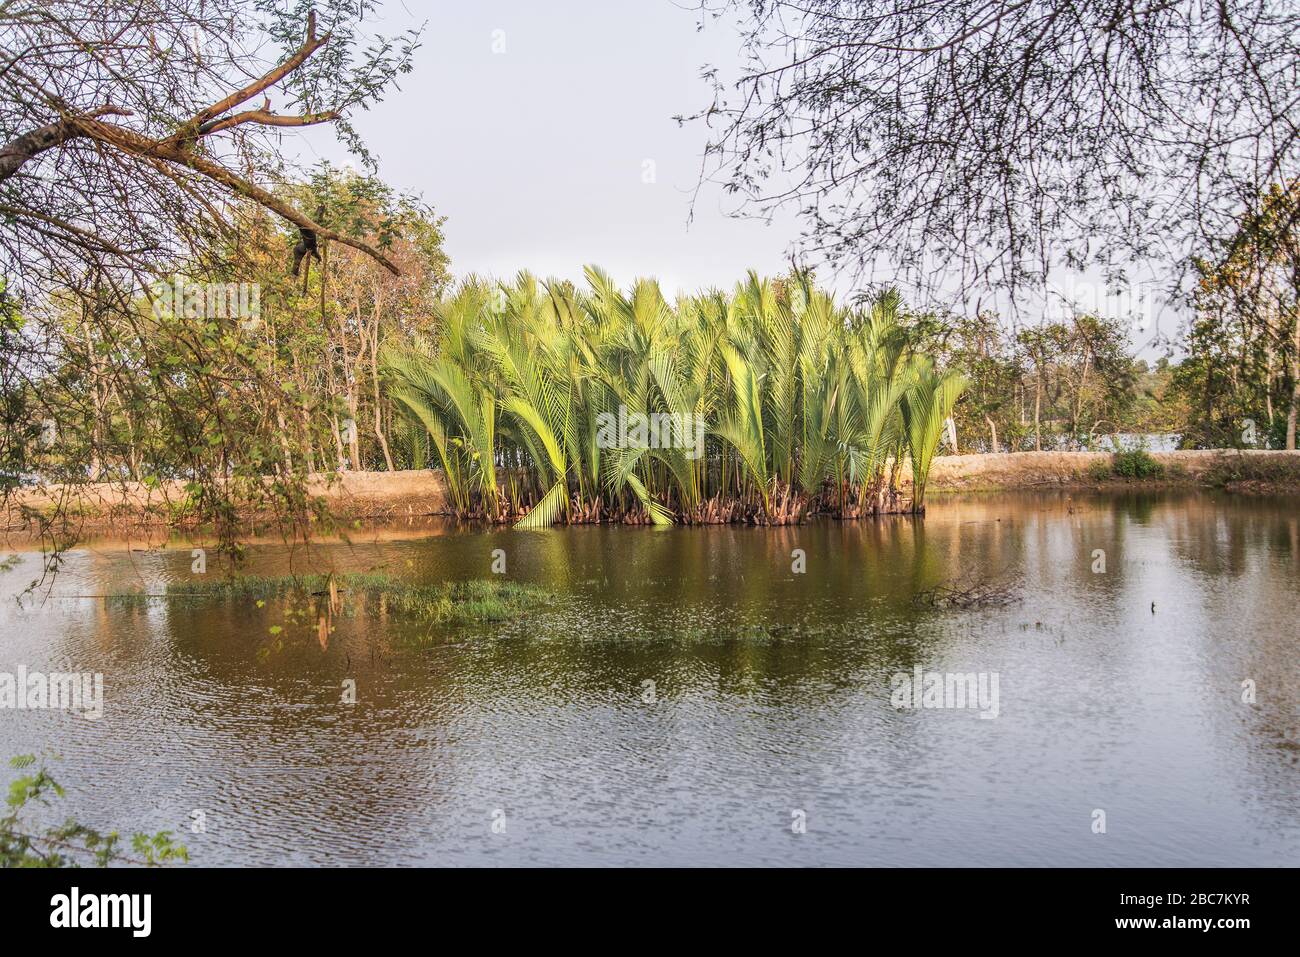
(181, 147)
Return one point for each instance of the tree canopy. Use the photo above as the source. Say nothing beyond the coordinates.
(985, 141)
(133, 135)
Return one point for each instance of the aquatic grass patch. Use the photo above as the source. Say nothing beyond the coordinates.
(470, 601)
(454, 603)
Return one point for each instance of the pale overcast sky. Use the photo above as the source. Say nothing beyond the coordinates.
(534, 126)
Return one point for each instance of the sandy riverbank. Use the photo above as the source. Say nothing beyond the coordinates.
(379, 496)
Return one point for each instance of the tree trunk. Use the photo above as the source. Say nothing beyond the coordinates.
(354, 448)
(338, 441)
(283, 431)
(97, 405)
(1270, 373)
(1295, 388)
(1076, 407)
(374, 382)
(305, 418)
(1038, 405)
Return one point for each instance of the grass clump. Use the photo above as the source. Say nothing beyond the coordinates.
(1253, 469)
(439, 603)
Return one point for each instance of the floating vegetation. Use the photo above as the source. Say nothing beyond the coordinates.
(750, 633)
(972, 593)
(454, 603)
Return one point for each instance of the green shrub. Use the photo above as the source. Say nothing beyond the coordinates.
(1100, 471)
(1136, 464)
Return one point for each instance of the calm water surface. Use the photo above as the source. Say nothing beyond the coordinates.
(771, 695)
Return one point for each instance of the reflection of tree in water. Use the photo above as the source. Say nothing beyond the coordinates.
(1223, 536)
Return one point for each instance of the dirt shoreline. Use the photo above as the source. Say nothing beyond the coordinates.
(1231, 469)
(382, 496)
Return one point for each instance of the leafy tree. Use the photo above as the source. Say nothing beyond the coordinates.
(241, 410)
(359, 305)
(127, 128)
(1039, 386)
(1242, 374)
(980, 347)
(138, 142)
(988, 140)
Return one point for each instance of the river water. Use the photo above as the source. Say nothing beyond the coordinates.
(691, 697)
